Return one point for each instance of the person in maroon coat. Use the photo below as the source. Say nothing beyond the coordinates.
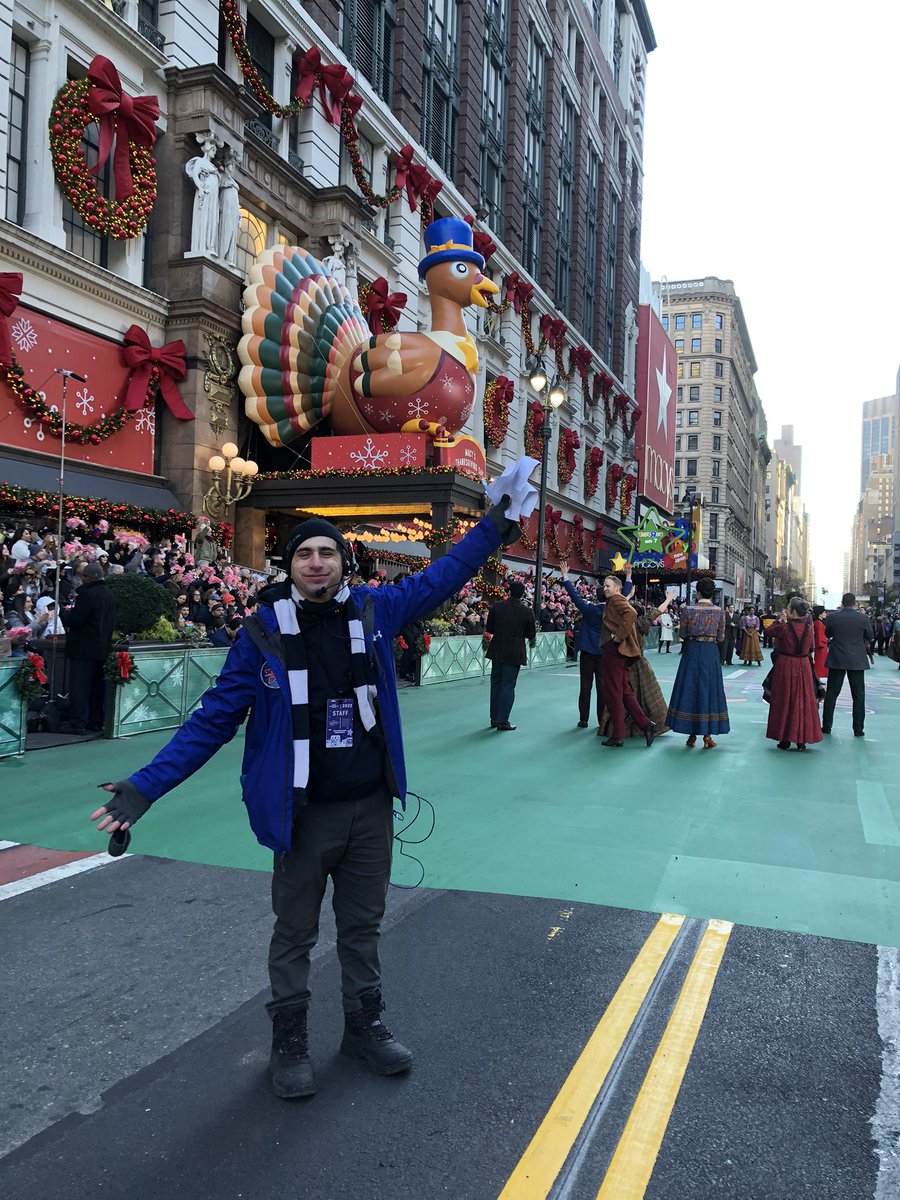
(793, 707)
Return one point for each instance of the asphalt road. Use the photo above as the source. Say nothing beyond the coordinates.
(135, 1048)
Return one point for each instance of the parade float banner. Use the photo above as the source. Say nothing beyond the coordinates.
(657, 366)
(465, 455)
(368, 452)
(659, 544)
(43, 345)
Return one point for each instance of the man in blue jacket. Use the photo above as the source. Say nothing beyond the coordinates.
(323, 758)
(587, 643)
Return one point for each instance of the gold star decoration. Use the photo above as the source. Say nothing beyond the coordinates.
(618, 562)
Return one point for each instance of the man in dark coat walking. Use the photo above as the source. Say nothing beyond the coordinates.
(849, 634)
(726, 647)
(510, 624)
(89, 630)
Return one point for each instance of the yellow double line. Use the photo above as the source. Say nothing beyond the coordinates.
(633, 1161)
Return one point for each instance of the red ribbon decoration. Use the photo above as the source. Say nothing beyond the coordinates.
(125, 118)
(504, 389)
(10, 291)
(37, 667)
(307, 69)
(352, 105)
(581, 359)
(523, 294)
(123, 658)
(431, 191)
(512, 283)
(482, 242)
(412, 177)
(335, 84)
(169, 360)
(383, 308)
(553, 331)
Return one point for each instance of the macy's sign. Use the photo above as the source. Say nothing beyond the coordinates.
(659, 474)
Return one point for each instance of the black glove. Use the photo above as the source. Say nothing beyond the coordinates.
(126, 803)
(509, 531)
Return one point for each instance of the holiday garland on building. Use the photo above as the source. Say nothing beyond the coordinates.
(593, 461)
(132, 122)
(629, 483)
(161, 521)
(614, 473)
(569, 442)
(534, 424)
(13, 374)
(498, 396)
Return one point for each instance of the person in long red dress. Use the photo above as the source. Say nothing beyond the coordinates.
(820, 644)
(793, 708)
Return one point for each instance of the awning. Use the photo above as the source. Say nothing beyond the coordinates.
(44, 477)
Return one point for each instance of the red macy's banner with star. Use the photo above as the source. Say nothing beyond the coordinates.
(657, 369)
(41, 345)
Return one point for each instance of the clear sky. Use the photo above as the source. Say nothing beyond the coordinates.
(771, 159)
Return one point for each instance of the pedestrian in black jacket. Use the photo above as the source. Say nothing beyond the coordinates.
(89, 630)
(509, 623)
(850, 650)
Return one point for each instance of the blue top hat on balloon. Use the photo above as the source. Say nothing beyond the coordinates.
(449, 239)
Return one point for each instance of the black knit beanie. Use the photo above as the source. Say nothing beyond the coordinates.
(314, 527)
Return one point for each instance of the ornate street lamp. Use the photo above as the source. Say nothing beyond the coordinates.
(235, 486)
(549, 401)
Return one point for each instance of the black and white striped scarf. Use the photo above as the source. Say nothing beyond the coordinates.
(298, 675)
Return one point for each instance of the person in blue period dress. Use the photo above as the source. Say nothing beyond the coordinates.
(698, 706)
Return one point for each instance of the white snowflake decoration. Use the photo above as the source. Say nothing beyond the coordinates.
(146, 421)
(369, 457)
(386, 414)
(407, 455)
(24, 334)
(418, 407)
(368, 409)
(448, 384)
(85, 402)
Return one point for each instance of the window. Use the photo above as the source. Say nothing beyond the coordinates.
(717, 443)
(720, 321)
(695, 345)
(611, 270)
(718, 345)
(591, 232)
(677, 466)
(677, 442)
(80, 238)
(18, 118)
(680, 391)
(493, 126)
(717, 395)
(715, 495)
(694, 394)
(690, 466)
(720, 370)
(696, 320)
(693, 416)
(693, 441)
(679, 420)
(565, 195)
(440, 83)
(717, 416)
(532, 195)
(695, 370)
(252, 237)
(713, 525)
(368, 41)
(716, 467)
(676, 494)
(681, 370)
(712, 555)
(679, 321)
(679, 345)
(261, 45)
(665, 324)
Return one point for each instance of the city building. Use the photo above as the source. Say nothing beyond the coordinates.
(721, 448)
(871, 566)
(528, 120)
(879, 433)
(787, 521)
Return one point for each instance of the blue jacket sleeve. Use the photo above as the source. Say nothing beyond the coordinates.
(220, 715)
(421, 594)
(595, 610)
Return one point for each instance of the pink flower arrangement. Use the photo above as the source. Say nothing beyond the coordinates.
(76, 523)
(126, 536)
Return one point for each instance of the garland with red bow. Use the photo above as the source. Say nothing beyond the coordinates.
(614, 473)
(130, 121)
(553, 517)
(157, 368)
(498, 396)
(120, 668)
(629, 427)
(629, 483)
(31, 678)
(593, 461)
(597, 541)
(33, 403)
(379, 306)
(534, 424)
(569, 442)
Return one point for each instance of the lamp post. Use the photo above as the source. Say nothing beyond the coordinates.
(238, 481)
(553, 399)
(66, 376)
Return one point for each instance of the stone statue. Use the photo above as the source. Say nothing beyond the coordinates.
(229, 212)
(204, 175)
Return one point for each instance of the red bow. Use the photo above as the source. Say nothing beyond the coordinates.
(171, 363)
(483, 242)
(10, 291)
(512, 283)
(125, 118)
(335, 83)
(37, 667)
(578, 521)
(123, 658)
(431, 190)
(352, 105)
(553, 331)
(504, 389)
(581, 359)
(606, 382)
(413, 177)
(522, 298)
(596, 457)
(572, 439)
(552, 515)
(383, 308)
